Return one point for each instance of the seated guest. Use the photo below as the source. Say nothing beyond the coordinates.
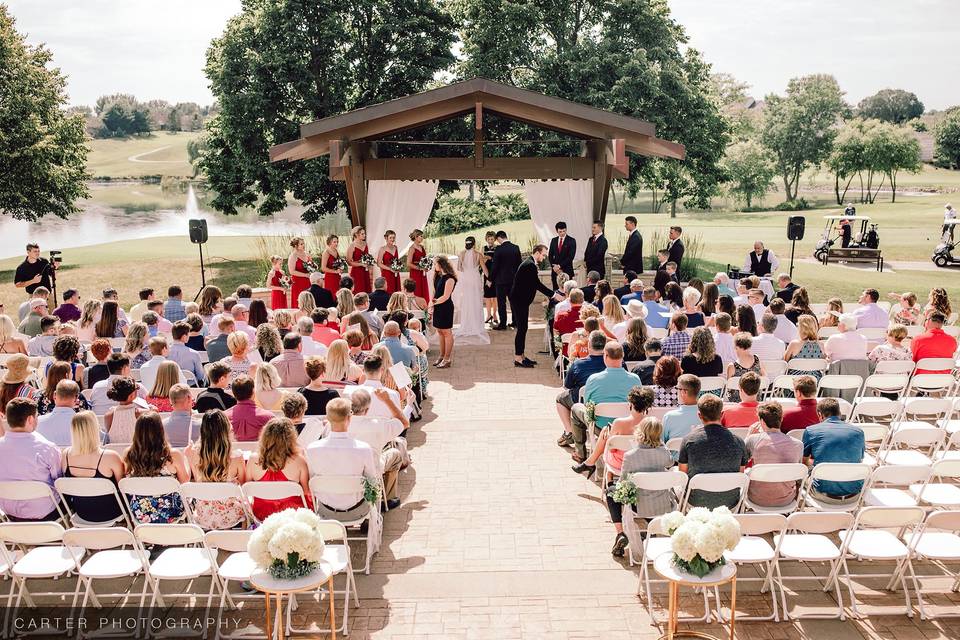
(635, 292)
(9, 341)
(290, 363)
(569, 321)
(833, 440)
(655, 318)
(168, 375)
(118, 365)
(414, 302)
(761, 262)
(576, 377)
(85, 457)
(399, 350)
(708, 302)
(805, 413)
(772, 446)
(666, 372)
(111, 324)
(869, 314)
(374, 371)
(685, 418)
(712, 449)
(181, 426)
(215, 396)
(101, 350)
(341, 454)
(653, 349)
(934, 342)
(744, 413)
(379, 296)
(283, 320)
(893, 348)
(69, 311)
(258, 313)
(799, 306)
(149, 456)
(832, 316)
(786, 330)
(786, 288)
(121, 418)
(213, 458)
(357, 322)
(54, 425)
(42, 343)
(186, 358)
(316, 393)
(57, 372)
(909, 313)
(217, 348)
(340, 368)
(564, 295)
(361, 301)
(722, 280)
(266, 387)
(723, 338)
(666, 272)
(161, 324)
(322, 298)
(674, 296)
(324, 332)
(196, 339)
(579, 341)
(245, 416)
(691, 300)
(639, 401)
(137, 310)
(755, 300)
(27, 455)
(240, 360)
(701, 359)
(159, 352)
(610, 385)
(848, 344)
(279, 459)
(305, 305)
(354, 340)
(746, 320)
(677, 342)
(294, 408)
(267, 343)
(627, 287)
(173, 308)
(309, 346)
(136, 346)
(805, 345)
(30, 325)
(391, 457)
(767, 346)
(590, 289)
(635, 339)
(746, 361)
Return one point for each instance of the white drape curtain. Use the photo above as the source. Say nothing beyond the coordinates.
(401, 205)
(569, 200)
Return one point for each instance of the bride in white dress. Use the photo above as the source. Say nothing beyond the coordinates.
(468, 296)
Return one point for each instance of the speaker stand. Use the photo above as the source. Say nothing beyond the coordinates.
(793, 248)
(203, 274)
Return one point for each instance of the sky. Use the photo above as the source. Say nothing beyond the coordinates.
(157, 50)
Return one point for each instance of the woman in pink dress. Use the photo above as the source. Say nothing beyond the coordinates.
(331, 275)
(297, 268)
(387, 254)
(414, 255)
(278, 294)
(359, 271)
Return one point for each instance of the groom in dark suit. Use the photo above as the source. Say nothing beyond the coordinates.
(563, 249)
(595, 255)
(632, 259)
(506, 260)
(524, 290)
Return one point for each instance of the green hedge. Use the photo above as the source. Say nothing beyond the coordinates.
(456, 215)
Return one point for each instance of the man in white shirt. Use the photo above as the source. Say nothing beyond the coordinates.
(119, 366)
(137, 310)
(159, 352)
(373, 369)
(767, 346)
(761, 261)
(848, 344)
(55, 425)
(362, 303)
(340, 454)
(309, 346)
(213, 328)
(755, 300)
(870, 315)
(240, 317)
(786, 330)
(564, 305)
(389, 430)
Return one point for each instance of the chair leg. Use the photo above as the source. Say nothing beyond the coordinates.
(836, 583)
(916, 588)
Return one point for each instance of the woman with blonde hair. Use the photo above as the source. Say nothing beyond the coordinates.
(268, 342)
(86, 458)
(695, 317)
(9, 343)
(279, 459)
(240, 363)
(806, 345)
(345, 304)
(355, 252)
(938, 301)
(832, 316)
(339, 366)
(213, 458)
(893, 348)
(306, 303)
(397, 302)
(135, 347)
(168, 374)
(284, 321)
(297, 263)
(266, 385)
(329, 261)
(86, 325)
(612, 316)
(211, 302)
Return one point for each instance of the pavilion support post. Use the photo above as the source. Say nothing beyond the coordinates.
(478, 136)
(356, 183)
(602, 177)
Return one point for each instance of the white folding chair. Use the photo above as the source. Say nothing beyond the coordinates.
(805, 541)
(870, 539)
(936, 364)
(886, 383)
(895, 367)
(937, 543)
(931, 411)
(28, 490)
(932, 384)
(753, 549)
(874, 438)
(780, 385)
(880, 410)
(221, 492)
(940, 494)
(836, 383)
(889, 485)
(616, 443)
(267, 490)
(89, 488)
(115, 554)
(673, 445)
(786, 472)
(672, 481)
(185, 558)
(774, 368)
(717, 483)
(710, 384)
(237, 567)
(848, 472)
(348, 486)
(149, 487)
(808, 365)
(611, 410)
(914, 446)
(951, 421)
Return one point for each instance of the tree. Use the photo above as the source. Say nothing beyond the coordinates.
(43, 151)
(891, 105)
(847, 160)
(869, 149)
(894, 149)
(280, 63)
(103, 104)
(750, 170)
(141, 121)
(947, 141)
(799, 128)
(173, 120)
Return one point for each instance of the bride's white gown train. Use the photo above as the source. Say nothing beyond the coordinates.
(468, 302)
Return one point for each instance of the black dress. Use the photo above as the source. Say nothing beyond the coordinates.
(93, 508)
(443, 312)
(489, 291)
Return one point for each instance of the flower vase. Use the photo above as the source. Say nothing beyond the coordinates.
(291, 569)
(697, 566)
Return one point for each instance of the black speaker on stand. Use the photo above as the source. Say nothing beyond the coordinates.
(198, 236)
(795, 228)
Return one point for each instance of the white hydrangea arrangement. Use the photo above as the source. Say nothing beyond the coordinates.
(288, 543)
(699, 538)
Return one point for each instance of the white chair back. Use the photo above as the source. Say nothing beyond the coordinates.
(169, 535)
(808, 365)
(936, 364)
(267, 490)
(889, 517)
(717, 483)
(876, 409)
(840, 382)
(153, 487)
(31, 533)
(930, 383)
(886, 383)
(88, 488)
(819, 522)
(232, 541)
(759, 524)
(894, 367)
(712, 383)
(659, 480)
(612, 410)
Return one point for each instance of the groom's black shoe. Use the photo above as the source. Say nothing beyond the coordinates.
(524, 364)
(499, 327)
(527, 362)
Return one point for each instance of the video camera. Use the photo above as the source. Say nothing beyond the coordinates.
(56, 257)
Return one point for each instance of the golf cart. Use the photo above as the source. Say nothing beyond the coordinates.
(864, 245)
(943, 254)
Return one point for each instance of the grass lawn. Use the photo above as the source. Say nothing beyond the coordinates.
(163, 154)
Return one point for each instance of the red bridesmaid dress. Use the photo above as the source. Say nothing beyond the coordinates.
(419, 276)
(392, 278)
(298, 284)
(331, 281)
(360, 275)
(278, 299)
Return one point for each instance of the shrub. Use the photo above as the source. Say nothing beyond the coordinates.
(800, 204)
(692, 250)
(456, 215)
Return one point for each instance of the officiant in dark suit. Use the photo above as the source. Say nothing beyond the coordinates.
(632, 259)
(563, 249)
(506, 260)
(596, 252)
(524, 290)
(675, 248)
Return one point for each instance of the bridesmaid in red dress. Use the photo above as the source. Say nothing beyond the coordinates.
(414, 255)
(387, 254)
(359, 271)
(278, 295)
(331, 276)
(296, 267)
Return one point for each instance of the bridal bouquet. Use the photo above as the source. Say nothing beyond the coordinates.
(285, 281)
(425, 263)
(339, 264)
(288, 544)
(367, 260)
(397, 265)
(699, 538)
(310, 266)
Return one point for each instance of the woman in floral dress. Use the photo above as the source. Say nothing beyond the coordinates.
(213, 458)
(150, 456)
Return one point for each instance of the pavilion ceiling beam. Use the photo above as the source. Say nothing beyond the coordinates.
(466, 169)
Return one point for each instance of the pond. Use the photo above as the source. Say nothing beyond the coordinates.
(134, 210)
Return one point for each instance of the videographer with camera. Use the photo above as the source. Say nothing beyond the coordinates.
(35, 271)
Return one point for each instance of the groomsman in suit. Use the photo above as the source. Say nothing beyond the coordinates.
(563, 249)
(526, 283)
(506, 260)
(675, 248)
(595, 253)
(633, 252)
